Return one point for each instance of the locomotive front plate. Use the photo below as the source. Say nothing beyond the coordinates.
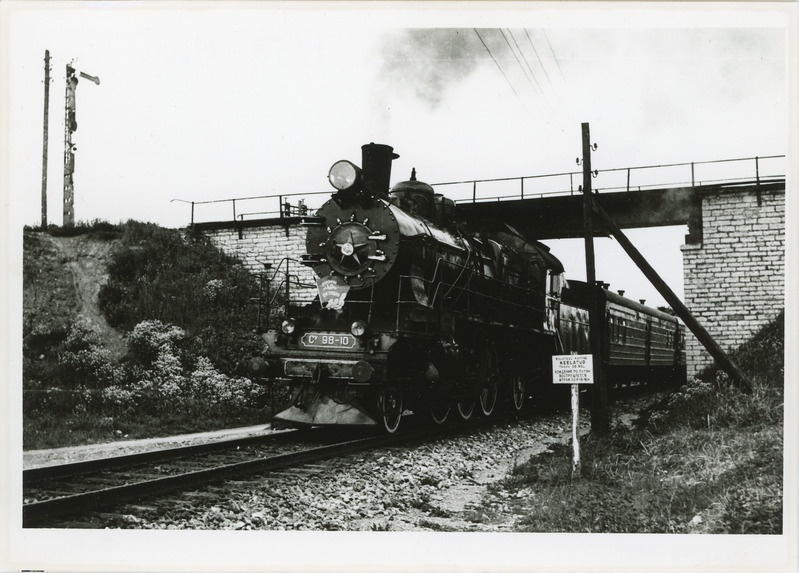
(338, 341)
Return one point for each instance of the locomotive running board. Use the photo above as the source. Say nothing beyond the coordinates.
(323, 410)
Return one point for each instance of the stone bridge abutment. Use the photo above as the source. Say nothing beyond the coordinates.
(734, 275)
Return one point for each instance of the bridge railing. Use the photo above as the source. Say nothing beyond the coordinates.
(622, 179)
(275, 206)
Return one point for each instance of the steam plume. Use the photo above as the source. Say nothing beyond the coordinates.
(429, 61)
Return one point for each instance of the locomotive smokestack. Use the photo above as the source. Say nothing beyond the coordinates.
(376, 165)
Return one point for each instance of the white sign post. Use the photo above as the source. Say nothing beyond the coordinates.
(574, 369)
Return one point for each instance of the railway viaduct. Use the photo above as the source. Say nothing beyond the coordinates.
(733, 256)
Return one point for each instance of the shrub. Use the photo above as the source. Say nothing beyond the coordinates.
(706, 405)
(710, 401)
(40, 356)
(97, 228)
(688, 406)
(83, 362)
(761, 357)
(152, 338)
(158, 380)
(183, 279)
(208, 388)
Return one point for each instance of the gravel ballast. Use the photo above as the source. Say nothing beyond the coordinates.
(443, 484)
(439, 486)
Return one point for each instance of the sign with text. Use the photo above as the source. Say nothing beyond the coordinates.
(573, 369)
(332, 292)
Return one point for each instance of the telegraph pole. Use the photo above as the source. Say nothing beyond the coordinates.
(600, 416)
(44, 144)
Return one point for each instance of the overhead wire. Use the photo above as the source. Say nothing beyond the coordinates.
(529, 74)
(538, 86)
(555, 57)
(501, 70)
(571, 103)
(554, 113)
(542, 91)
(535, 51)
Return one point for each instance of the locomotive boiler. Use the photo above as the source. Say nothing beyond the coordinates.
(414, 312)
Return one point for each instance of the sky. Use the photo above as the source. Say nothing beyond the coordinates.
(241, 100)
(210, 101)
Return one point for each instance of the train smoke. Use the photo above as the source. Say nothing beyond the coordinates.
(429, 61)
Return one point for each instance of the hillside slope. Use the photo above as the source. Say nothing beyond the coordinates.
(133, 329)
(62, 277)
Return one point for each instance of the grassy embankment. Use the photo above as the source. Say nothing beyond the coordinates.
(706, 459)
(181, 316)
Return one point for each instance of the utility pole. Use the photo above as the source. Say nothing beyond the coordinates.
(46, 127)
(70, 125)
(600, 416)
(737, 376)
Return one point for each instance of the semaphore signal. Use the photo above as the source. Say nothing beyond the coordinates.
(71, 125)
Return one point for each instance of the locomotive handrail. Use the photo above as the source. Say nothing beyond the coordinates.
(493, 305)
(284, 285)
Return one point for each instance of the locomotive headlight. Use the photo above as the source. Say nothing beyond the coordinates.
(343, 175)
(287, 326)
(358, 328)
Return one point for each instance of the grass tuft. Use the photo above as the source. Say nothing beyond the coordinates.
(705, 459)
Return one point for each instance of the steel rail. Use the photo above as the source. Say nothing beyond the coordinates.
(38, 474)
(36, 513)
(40, 513)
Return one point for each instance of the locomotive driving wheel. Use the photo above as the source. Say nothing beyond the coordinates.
(439, 411)
(490, 386)
(389, 408)
(518, 392)
(465, 407)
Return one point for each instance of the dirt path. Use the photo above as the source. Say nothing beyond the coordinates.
(86, 260)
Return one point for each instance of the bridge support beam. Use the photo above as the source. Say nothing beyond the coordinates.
(738, 378)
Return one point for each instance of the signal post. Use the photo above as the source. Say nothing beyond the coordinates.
(574, 369)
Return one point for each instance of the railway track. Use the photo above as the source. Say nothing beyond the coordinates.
(56, 494)
(53, 493)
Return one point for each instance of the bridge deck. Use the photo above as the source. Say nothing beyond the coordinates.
(560, 217)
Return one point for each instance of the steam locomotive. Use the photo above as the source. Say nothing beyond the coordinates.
(416, 312)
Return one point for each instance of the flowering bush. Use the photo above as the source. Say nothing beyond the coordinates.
(82, 362)
(213, 289)
(119, 399)
(151, 339)
(155, 375)
(158, 381)
(210, 389)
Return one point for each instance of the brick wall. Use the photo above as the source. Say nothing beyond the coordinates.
(269, 242)
(735, 278)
